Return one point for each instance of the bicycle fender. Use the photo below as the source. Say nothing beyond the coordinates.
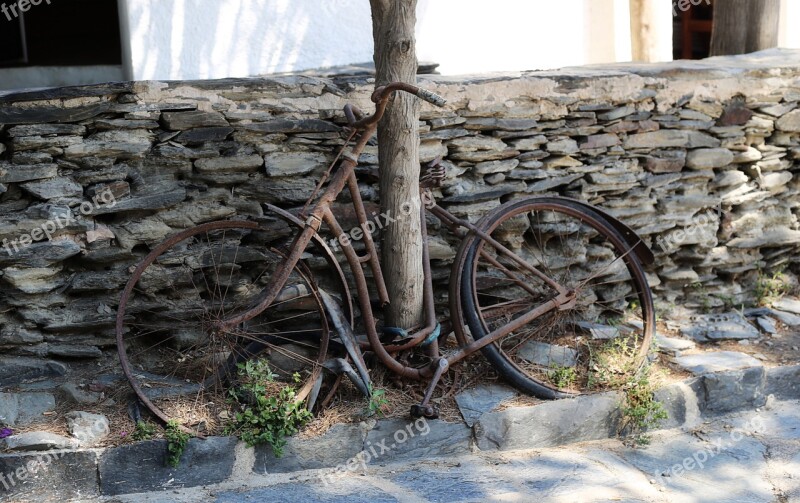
(349, 341)
(293, 220)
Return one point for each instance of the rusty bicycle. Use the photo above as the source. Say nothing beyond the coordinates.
(551, 290)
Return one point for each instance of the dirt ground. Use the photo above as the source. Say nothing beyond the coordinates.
(104, 376)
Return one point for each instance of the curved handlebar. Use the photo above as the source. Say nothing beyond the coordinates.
(381, 97)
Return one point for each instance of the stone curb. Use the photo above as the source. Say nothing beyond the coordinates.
(140, 467)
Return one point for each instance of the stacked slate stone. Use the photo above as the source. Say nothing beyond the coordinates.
(701, 163)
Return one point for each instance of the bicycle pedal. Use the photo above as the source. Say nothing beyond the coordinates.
(426, 411)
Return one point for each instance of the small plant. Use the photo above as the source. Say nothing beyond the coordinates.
(641, 411)
(563, 377)
(770, 288)
(176, 443)
(728, 302)
(144, 431)
(377, 402)
(612, 363)
(269, 413)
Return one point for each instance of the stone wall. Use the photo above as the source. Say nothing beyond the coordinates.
(700, 158)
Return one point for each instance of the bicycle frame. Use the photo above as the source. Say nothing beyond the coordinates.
(321, 213)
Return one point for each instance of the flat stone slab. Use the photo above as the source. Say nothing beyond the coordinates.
(718, 361)
(88, 428)
(673, 345)
(787, 305)
(37, 441)
(728, 326)
(723, 467)
(337, 491)
(475, 402)
(588, 417)
(16, 369)
(142, 467)
(788, 319)
(548, 355)
(33, 405)
(602, 332)
(468, 483)
(767, 325)
(577, 475)
(784, 382)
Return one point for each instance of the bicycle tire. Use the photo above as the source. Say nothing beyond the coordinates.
(199, 276)
(532, 377)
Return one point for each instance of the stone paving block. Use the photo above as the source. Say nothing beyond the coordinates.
(721, 468)
(673, 399)
(784, 382)
(37, 441)
(718, 361)
(577, 475)
(475, 402)
(141, 467)
(472, 481)
(37, 477)
(16, 369)
(335, 447)
(397, 439)
(787, 305)
(673, 345)
(727, 326)
(589, 417)
(33, 405)
(346, 491)
(780, 421)
(737, 390)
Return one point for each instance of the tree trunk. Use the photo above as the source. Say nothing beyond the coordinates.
(398, 138)
(744, 26)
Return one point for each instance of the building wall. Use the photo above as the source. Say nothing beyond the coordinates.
(202, 39)
(185, 39)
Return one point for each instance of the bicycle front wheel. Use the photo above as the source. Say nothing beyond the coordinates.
(173, 352)
(600, 342)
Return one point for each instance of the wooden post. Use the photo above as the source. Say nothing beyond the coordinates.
(393, 24)
(651, 30)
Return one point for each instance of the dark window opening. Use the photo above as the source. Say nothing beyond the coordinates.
(692, 31)
(62, 33)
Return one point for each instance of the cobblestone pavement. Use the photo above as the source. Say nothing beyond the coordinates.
(747, 457)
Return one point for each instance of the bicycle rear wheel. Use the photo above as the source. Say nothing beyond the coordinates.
(177, 359)
(597, 344)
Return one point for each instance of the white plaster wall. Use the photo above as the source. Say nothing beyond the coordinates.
(196, 39)
(199, 39)
(789, 33)
(471, 36)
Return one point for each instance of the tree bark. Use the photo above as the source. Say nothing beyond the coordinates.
(398, 142)
(744, 26)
